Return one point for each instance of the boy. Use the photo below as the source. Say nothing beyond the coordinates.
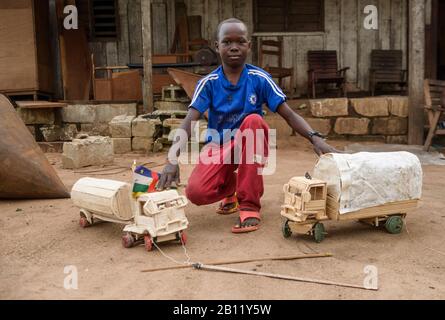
(233, 94)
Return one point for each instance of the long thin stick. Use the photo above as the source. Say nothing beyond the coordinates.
(279, 276)
(301, 256)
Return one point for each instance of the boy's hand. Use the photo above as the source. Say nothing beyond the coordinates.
(321, 147)
(168, 175)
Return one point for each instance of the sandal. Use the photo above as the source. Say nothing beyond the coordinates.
(229, 205)
(243, 216)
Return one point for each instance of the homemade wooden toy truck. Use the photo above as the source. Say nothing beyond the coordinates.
(151, 218)
(378, 189)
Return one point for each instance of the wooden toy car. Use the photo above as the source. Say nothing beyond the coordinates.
(307, 203)
(159, 217)
(151, 218)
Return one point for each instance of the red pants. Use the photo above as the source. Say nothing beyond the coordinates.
(210, 183)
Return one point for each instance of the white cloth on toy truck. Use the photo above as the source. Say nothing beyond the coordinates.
(369, 179)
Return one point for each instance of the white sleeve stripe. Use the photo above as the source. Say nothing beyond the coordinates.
(275, 88)
(267, 77)
(201, 86)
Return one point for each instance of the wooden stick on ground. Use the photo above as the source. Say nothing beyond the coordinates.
(301, 256)
(278, 276)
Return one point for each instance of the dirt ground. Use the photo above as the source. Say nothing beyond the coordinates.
(39, 238)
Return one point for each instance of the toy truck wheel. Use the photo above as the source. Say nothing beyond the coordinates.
(394, 224)
(127, 240)
(285, 229)
(319, 232)
(83, 222)
(183, 237)
(148, 242)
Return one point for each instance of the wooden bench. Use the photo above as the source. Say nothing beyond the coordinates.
(323, 68)
(434, 105)
(386, 68)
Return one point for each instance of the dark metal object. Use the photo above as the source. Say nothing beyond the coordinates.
(25, 173)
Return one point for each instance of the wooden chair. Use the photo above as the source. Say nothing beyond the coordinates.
(386, 68)
(323, 68)
(434, 105)
(275, 48)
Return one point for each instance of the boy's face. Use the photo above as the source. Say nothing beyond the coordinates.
(233, 44)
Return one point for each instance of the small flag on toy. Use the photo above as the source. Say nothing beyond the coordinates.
(144, 181)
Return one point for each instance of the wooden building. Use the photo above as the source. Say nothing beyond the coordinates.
(120, 32)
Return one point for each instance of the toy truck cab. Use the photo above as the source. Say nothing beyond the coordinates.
(304, 199)
(159, 217)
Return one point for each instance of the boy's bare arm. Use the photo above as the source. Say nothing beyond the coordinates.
(170, 172)
(300, 125)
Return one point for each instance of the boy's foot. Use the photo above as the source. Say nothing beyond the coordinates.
(229, 205)
(248, 221)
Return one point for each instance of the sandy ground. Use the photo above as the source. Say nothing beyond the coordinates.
(39, 238)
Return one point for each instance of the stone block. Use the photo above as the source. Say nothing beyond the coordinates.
(321, 108)
(87, 152)
(171, 106)
(121, 145)
(53, 133)
(321, 125)
(371, 107)
(36, 116)
(79, 113)
(353, 126)
(142, 144)
(144, 127)
(106, 112)
(398, 106)
(172, 123)
(390, 126)
(397, 139)
(120, 126)
(96, 129)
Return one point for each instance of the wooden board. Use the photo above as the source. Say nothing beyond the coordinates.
(40, 104)
(17, 58)
(76, 64)
(127, 85)
(332, 207)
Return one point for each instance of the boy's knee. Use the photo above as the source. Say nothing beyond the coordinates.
(254, 120)
(193, 193)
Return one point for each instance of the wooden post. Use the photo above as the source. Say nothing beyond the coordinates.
(147, 52)
(416, 56)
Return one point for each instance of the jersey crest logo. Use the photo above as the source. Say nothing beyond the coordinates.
(253, 99)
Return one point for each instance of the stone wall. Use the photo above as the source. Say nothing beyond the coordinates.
(63, 124)
(374, 118)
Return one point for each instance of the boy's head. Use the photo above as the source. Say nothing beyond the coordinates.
(232, 42)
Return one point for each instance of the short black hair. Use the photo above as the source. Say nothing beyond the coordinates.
(230, 20)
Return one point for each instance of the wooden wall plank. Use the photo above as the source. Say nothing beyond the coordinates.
(384, 24)
(416, 71)
(135, 31)
(147, 55)
(226, 7)
(160, 30)
(302, 45)
(112, 56)
(367, 40)
(348, 38)
(332, 24)
(123, 46)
